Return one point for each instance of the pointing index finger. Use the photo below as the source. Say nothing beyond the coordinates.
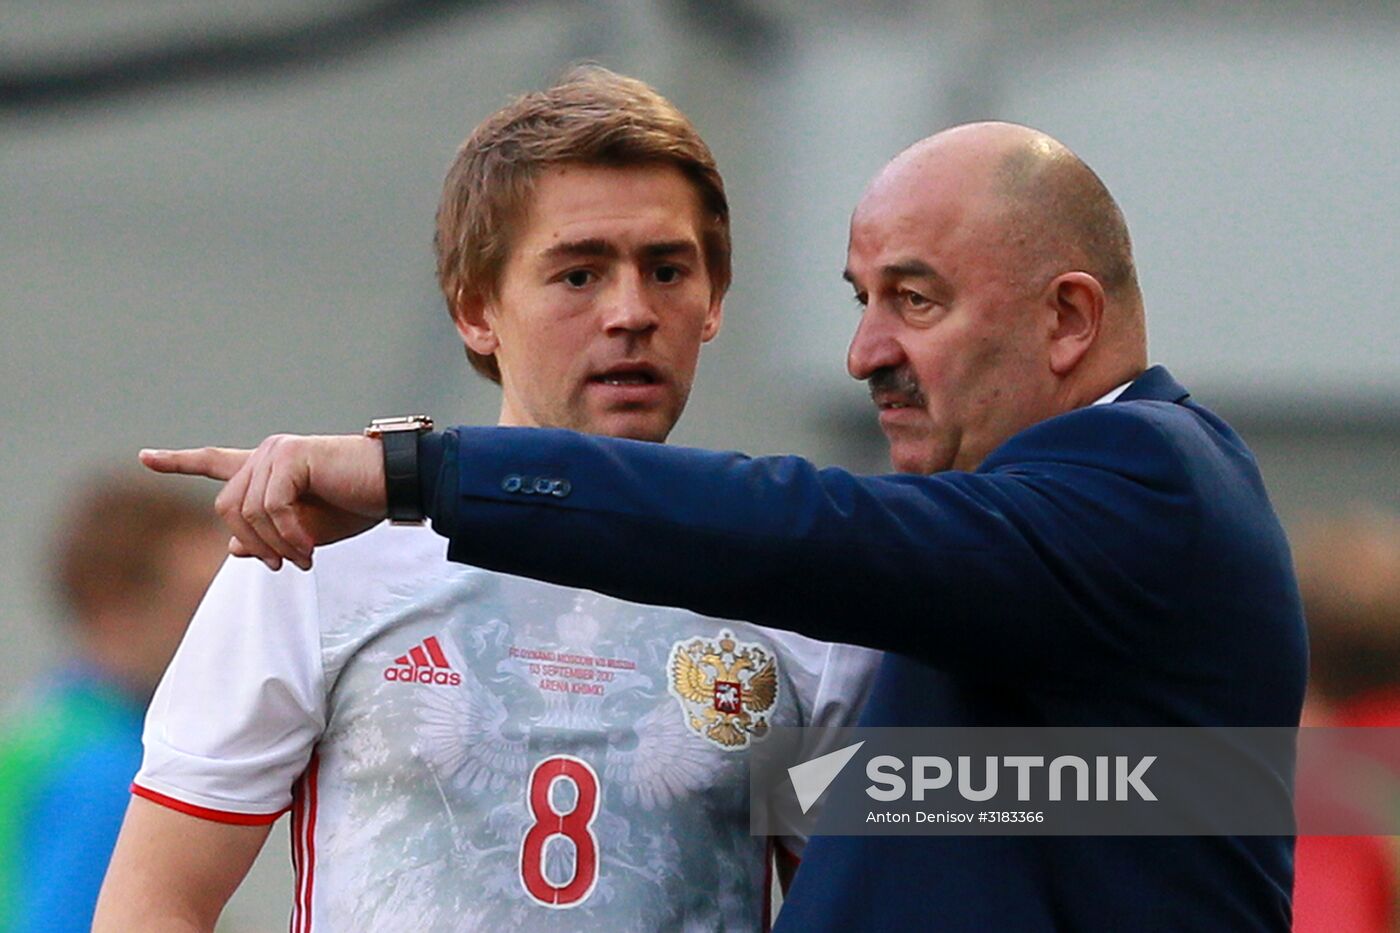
(219, 463)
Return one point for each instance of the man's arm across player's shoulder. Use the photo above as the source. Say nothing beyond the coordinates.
(943, 565)
(173, 872)
(940, 568)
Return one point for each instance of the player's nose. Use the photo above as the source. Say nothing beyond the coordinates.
(630, 306)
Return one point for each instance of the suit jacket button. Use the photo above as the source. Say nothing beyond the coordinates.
(511, 483)
(562, 488)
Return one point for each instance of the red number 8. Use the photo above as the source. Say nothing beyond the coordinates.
(576, 826)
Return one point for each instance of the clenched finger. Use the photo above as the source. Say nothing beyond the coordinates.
(275, 464)
(230, 505)
(284, 490)
(236, 549)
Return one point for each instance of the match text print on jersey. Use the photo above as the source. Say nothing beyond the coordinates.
(553, 828)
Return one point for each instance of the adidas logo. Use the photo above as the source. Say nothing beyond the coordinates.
(425, 664)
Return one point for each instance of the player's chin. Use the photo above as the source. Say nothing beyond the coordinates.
(652, 423)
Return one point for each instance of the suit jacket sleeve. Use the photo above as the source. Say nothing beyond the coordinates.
(1048, 561)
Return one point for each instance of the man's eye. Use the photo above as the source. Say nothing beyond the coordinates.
(578, 278)
(861, 299)
(914, 300)
(668, 275)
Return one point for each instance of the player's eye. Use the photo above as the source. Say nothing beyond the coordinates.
(578, 278)
(667, 274)
(861, 299)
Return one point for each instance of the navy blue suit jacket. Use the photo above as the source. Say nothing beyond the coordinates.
(1116, 565)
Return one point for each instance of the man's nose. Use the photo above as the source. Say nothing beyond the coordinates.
(631, 305)
(875, 345)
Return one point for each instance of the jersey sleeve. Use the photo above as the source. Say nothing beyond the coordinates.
(847, 673)
(845, 684)
(234, 720)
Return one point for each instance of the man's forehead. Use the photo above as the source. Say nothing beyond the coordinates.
(899, 236)
(589, 208)
(917, 219)
(917, 190)
(586, 185)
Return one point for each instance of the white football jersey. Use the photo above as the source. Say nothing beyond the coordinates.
(467, 750)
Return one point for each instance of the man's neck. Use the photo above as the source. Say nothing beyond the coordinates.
(1090, 386)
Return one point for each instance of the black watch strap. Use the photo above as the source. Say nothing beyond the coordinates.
(399, 438)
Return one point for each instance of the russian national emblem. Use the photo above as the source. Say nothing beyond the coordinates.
(727, 689)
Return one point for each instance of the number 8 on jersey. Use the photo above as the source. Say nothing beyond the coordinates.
(575, 825)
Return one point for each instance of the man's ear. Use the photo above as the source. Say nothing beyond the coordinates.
(1077, 301)
(475, 317)
(714, 316)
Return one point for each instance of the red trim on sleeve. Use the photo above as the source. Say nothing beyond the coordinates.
(298, 816)
(311, 793)
(304, 844)
(204, 813)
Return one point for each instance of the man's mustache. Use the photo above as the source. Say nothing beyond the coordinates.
(897, 381)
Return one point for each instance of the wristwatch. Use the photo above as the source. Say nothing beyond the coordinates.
(399, 438)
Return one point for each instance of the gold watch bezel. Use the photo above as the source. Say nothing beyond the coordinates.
(381, 426)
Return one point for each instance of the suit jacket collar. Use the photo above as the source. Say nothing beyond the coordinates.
(1156, 385)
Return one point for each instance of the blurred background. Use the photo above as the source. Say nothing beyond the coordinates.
(215, 219)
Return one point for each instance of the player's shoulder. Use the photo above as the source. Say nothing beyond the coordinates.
(384, 550)
(385, 570)
(349, 580)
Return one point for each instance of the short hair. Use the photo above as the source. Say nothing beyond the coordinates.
(110, 544)
(591, 116)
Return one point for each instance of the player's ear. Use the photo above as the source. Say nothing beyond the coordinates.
(1076, 302)
(475, 316)
(714, 316)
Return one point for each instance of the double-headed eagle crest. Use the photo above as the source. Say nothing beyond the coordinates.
(726, 689)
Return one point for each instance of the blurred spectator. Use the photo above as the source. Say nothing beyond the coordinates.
(1349, 572)
(129, 562)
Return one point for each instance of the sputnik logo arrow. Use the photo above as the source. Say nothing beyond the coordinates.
(811, 778)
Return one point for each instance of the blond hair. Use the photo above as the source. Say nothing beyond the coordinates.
(591, 116)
